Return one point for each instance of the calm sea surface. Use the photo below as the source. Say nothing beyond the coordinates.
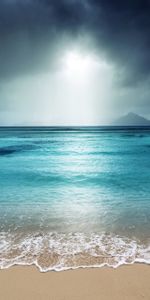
(73, 197)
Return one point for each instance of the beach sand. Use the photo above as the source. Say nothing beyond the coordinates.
(124, 283)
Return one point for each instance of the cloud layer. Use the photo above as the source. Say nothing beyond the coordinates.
(30, 28)
(33, 34)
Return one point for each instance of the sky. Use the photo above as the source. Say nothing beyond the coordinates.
(67, 62)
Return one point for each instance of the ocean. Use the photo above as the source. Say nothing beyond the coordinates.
(74, 196)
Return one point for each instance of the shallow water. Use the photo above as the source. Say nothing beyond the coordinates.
(74, 196)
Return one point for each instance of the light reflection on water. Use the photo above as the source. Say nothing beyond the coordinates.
(92, 181)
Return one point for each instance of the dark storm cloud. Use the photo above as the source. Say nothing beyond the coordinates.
(30, 31)
(124, 30)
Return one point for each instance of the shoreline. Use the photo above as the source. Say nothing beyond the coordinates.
(61, 251)
(128, 282)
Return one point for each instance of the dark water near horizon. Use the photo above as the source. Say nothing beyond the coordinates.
(74, 196)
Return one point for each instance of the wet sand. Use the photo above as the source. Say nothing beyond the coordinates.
(124, 283)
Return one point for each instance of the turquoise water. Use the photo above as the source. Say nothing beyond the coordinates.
(74, 197)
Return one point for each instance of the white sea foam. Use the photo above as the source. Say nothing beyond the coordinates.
(62, 251)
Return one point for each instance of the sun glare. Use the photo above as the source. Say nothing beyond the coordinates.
(76, 63)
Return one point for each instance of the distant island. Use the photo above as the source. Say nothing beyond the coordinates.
(131, 119)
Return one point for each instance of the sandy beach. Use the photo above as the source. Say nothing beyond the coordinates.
(125, 283)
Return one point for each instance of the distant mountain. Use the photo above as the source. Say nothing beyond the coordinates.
(132, 119)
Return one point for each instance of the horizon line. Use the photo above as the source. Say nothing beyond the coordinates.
(69, 126)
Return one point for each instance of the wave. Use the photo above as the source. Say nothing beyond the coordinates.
(63, 251)
(15, 149)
